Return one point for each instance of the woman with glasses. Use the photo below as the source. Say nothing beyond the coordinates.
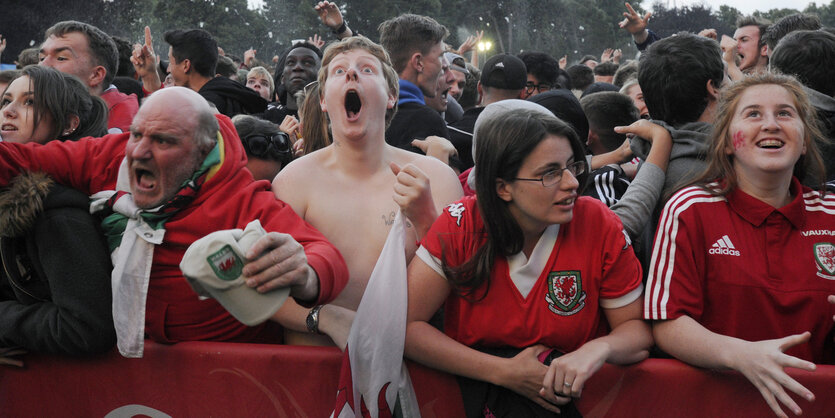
(268, 149)
(527, 271)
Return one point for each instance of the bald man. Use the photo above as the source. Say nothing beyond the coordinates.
(180, 171)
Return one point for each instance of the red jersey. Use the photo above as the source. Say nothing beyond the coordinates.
(590, 264)
(744, 269)
(121, 109)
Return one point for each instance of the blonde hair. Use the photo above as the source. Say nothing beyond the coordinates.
(720, 163)
(361, 42)
(263, 73)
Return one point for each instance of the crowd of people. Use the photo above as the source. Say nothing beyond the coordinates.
(558, 216)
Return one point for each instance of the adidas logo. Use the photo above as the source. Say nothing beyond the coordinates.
(723, 246)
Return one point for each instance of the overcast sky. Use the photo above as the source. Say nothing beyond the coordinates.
(744, 6)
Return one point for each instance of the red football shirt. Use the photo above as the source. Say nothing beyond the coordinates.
(590, 264)
(121, 110)
(744, 269)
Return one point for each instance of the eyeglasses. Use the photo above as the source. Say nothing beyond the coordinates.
(554, 176)
(542, 87)
(273, 146)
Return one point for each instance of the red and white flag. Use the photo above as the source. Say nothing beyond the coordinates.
(374, 381)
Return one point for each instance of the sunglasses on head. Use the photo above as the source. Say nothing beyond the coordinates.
(275, 146)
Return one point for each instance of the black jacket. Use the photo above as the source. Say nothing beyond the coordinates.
(55, 292)
(414, 121)
(232, 98)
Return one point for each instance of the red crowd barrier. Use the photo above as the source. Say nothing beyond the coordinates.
(225, 379)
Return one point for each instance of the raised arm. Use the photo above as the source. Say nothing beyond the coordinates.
(423, 189)
(637, 204)
(331, 17)
(145, 63)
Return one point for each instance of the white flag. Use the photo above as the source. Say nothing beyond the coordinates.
(374, 377)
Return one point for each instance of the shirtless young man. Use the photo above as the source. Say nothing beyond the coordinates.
(345, 190)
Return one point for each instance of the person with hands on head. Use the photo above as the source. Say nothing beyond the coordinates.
(355, 186)
(741, 273)
(520, 281)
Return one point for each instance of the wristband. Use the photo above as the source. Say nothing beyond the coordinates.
(312, 321)
(341, 29)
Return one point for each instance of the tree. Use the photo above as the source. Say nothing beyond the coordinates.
(728, 15)
(693, 18)
(776, 14)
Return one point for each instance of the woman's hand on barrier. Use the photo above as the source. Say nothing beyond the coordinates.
(763, 363)
(568, 374)
(524, 375)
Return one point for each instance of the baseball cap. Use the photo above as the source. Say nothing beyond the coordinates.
(504, 71)
(456, 62)
(213, 266)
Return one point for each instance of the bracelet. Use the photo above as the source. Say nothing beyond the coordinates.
(341, 29)
(312, 321)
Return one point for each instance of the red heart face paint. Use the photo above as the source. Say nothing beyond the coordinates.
(739, 140)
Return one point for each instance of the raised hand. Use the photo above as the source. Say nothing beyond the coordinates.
(316, 40)
(617, 55)
(633, 22)
(470, 43)
(413, 193)
(329, 14)
(145, 63)
(708, 33)
(249, 55)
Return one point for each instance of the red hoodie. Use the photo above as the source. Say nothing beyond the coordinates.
(229, 199)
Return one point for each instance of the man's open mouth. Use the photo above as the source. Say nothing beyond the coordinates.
(145, 179)
(353, 104)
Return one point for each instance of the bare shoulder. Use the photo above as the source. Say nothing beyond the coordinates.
(442, 179)
(293, 182)
(433, 167)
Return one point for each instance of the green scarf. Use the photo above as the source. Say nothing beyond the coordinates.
(114, 223)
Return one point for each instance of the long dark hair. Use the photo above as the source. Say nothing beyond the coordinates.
(62, 96)
(504, 142)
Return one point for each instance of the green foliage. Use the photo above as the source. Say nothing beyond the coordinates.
(825, 12)
(776, 14)
(666, 22)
